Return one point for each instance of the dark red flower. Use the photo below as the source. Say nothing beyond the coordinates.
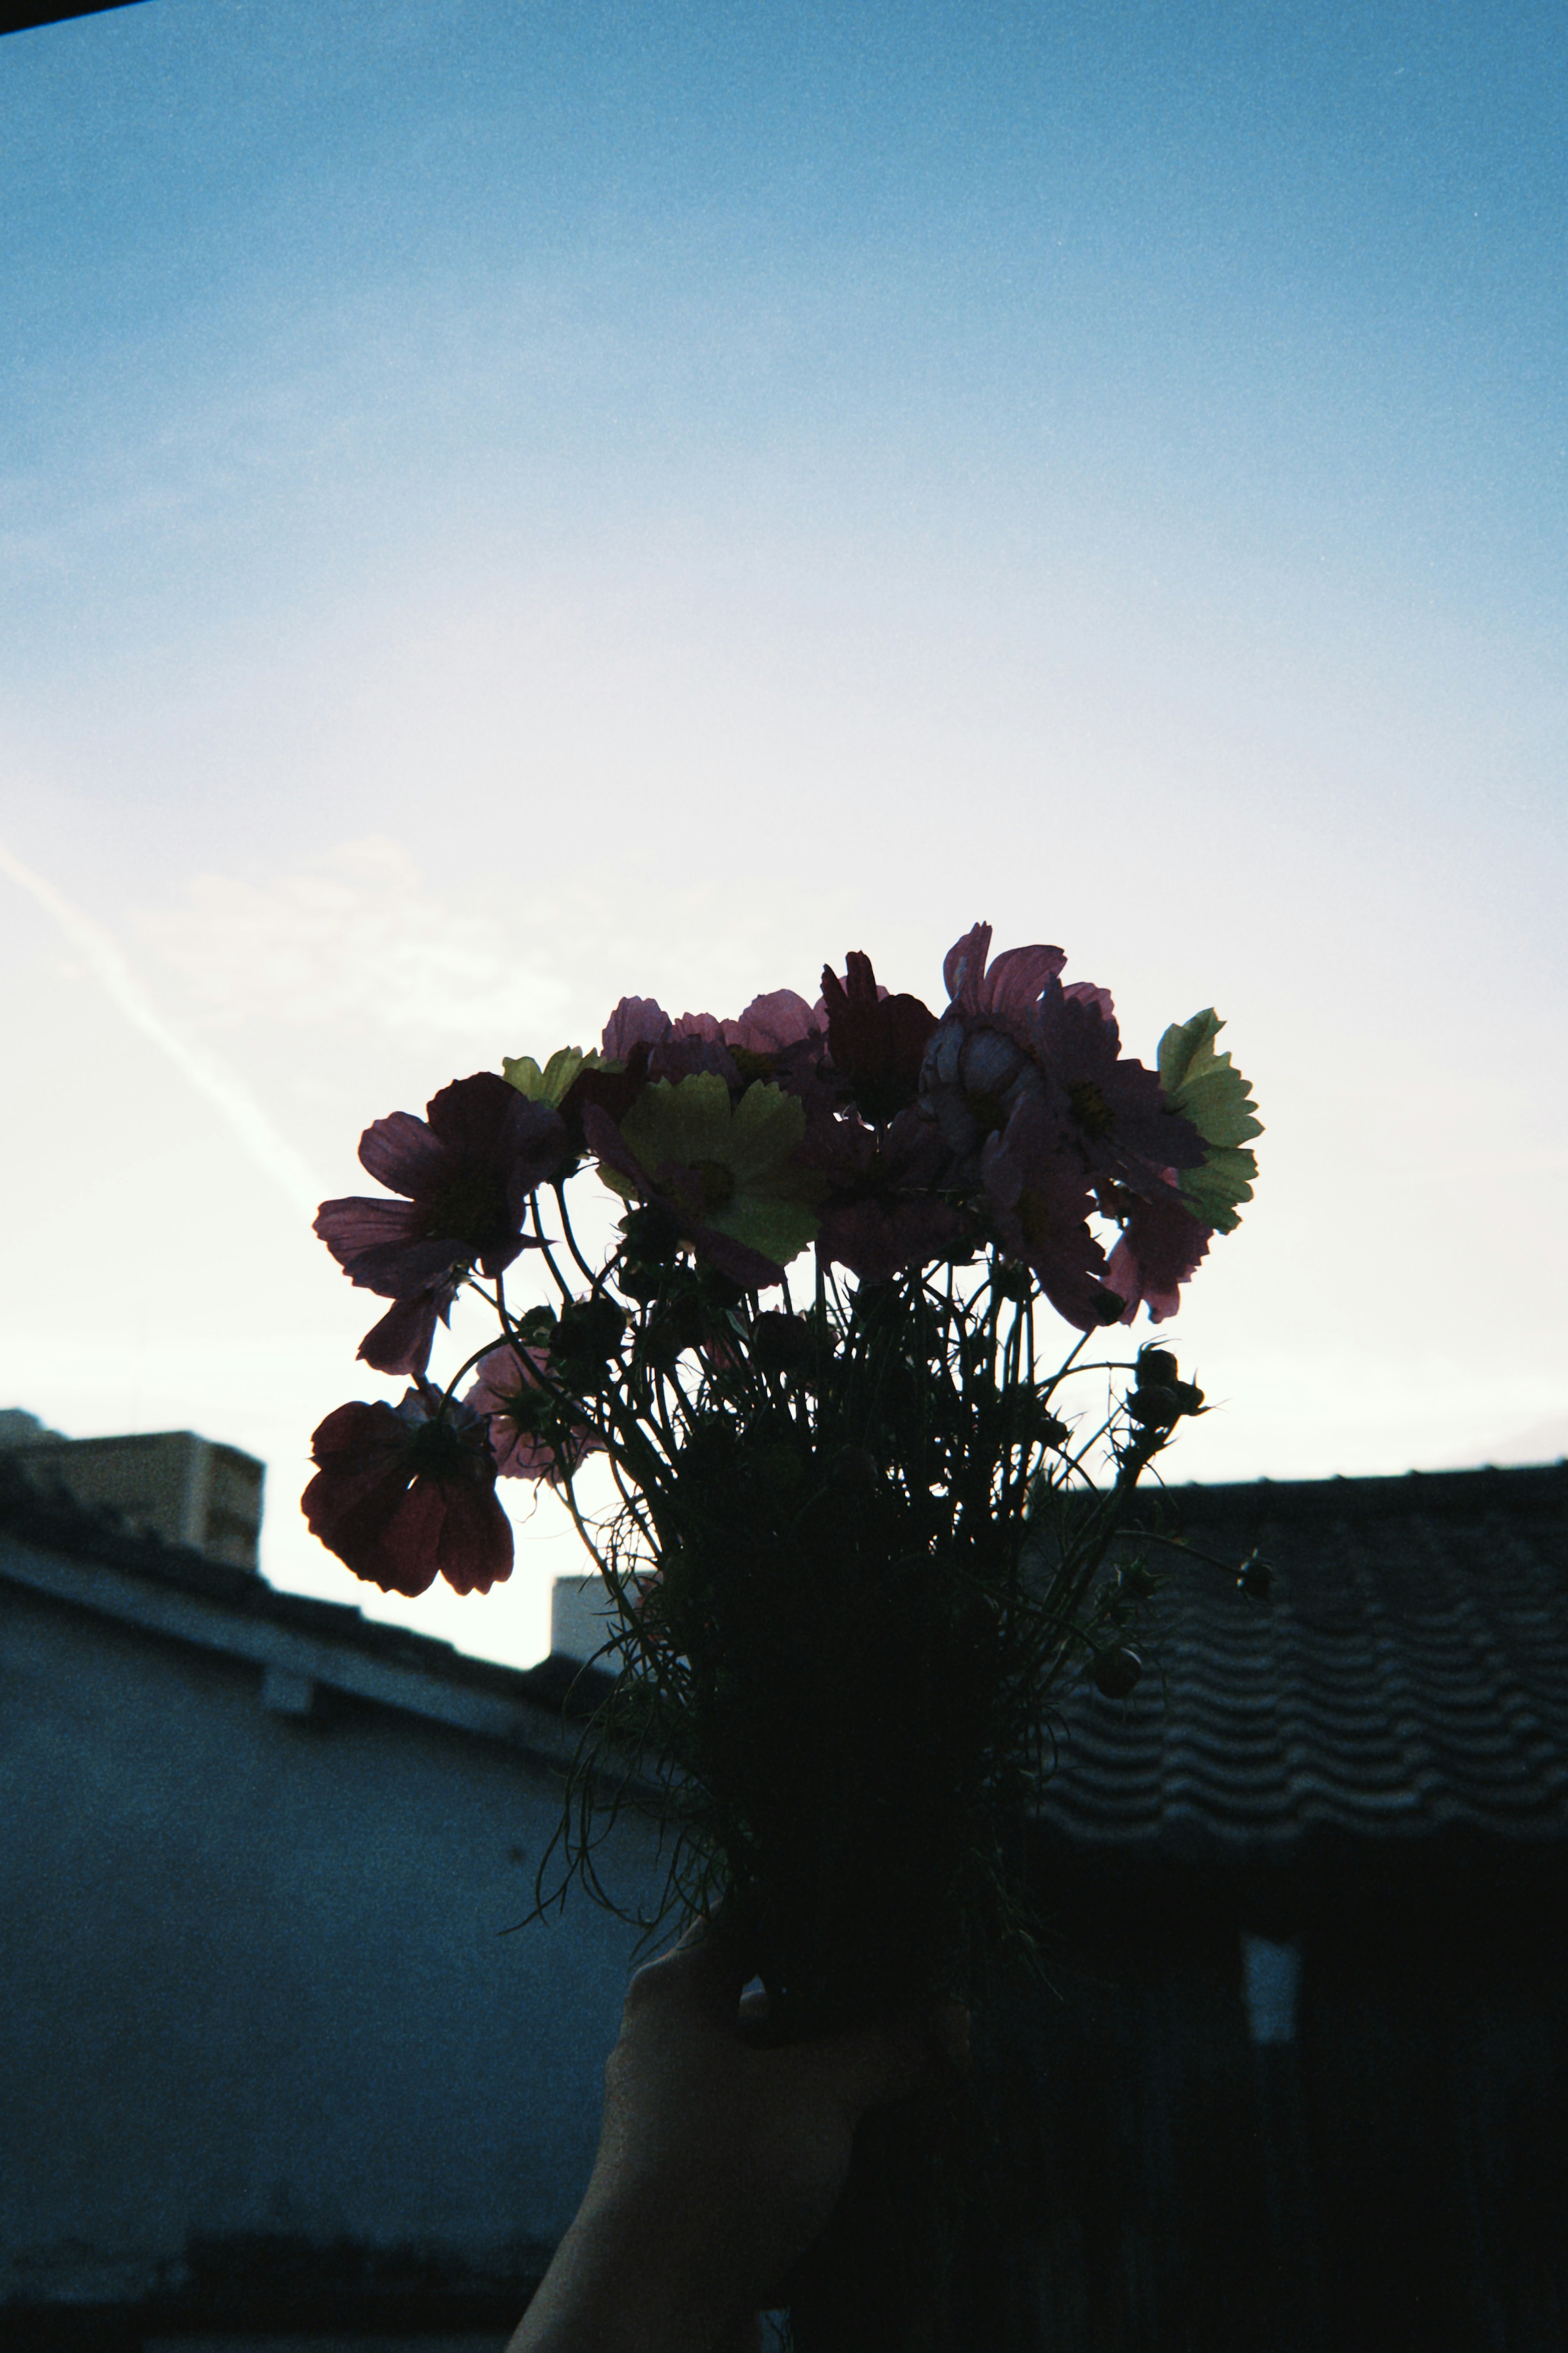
(402, 1495)
(877, 1042)
(1160, 1249)
(614, 1088)
(884, 1211)
(400, 1342)
(467, 1170)
(1040, 1202)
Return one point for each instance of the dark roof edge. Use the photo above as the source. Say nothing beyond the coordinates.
(48, 1517)
(51, 1519)
(1485, 1489)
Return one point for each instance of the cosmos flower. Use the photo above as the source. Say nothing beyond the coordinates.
(883, 1210)
(1160, 1249)
(728, 1171)
(1110, 1107)
(877, 1042)
(405, 1494)
(531, 1435)
(1014, 1033)
(400, 1342)
(775, 1023)
(467, 1170)
(1040, 1201)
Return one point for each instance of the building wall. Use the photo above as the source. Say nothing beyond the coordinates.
(253, 1977)
(1394, 2175)
(189, 1490)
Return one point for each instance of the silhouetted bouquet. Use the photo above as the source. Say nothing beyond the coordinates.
(858, 1537)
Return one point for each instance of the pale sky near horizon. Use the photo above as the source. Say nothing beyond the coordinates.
(503, 505)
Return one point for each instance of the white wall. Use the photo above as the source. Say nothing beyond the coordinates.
(252, 1973)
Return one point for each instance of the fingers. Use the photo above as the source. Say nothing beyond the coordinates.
(703, 1971)
(746, 2338)
(876, 2064)
(950, 2024)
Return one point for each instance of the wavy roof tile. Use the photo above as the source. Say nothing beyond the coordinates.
(1408, 1677)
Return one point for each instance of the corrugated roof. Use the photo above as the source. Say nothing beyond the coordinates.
(1408, 1676)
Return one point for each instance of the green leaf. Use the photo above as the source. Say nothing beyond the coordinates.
(551, 1083)
(1225, 1177)
(1206, 1088)
(744, 1153)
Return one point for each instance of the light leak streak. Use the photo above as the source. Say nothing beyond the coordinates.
(260, 1141)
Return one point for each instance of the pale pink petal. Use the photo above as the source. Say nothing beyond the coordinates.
(636, 1021)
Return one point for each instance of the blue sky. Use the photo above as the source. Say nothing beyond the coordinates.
(502, 505)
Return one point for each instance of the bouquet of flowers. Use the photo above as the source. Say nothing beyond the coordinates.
(860, 1518)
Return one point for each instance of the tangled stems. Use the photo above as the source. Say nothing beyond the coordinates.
(860, 1567)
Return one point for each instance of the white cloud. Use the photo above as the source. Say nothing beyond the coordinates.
(356, 937)
(262, 1141)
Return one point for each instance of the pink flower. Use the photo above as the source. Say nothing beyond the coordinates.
(636, 1021)
(1040, 1202)
(531, 1435)
(676, 1049)
(1012, 985)
(467, 1169)
(403, 1496)
(1014, 1033)
(975, 1072)
(1159, 1250)
(1110, 1107)
(773, 1024)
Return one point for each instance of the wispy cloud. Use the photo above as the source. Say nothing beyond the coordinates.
(356, 937)
(270, 1151)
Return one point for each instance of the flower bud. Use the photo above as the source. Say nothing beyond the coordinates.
(652, 1232)
(1118, 1672)
(780, 1342)
(854, 1476)
(1138, 1584)
(673, 1326)
(1155, 1409)
(638, 1281)
(1256, 1578)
